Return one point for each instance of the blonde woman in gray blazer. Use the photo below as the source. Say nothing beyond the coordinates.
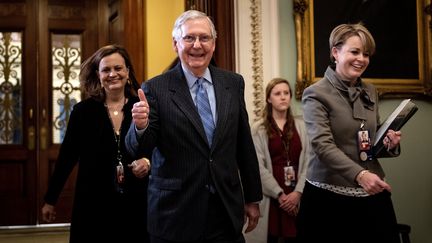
(346, 198)
(280, 114)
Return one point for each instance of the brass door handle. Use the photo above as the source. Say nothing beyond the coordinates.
(31, 133)
(43, 132)
(31, 138)
(43, 138)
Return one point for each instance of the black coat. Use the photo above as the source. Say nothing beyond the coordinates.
(99, 210)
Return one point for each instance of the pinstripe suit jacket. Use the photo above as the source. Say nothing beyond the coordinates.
(182, 161)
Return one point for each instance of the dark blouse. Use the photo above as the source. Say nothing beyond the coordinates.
(280, 222)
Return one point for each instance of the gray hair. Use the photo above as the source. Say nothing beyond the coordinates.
(189, 15)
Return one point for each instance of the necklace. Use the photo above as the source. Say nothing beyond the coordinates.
(119, 157)
(116, 108)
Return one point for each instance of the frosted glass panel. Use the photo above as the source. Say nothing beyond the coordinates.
(66, 60)
(11, 128)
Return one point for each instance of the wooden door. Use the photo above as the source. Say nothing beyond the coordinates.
(42, 45)
(17, 113)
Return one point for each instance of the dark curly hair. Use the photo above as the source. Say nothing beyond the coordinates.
(89, 80)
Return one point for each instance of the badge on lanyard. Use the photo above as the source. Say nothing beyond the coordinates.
(364, 143)
(289, 175)
(120, 173)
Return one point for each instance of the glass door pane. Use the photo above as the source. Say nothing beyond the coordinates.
(11, 130)
(66, 60)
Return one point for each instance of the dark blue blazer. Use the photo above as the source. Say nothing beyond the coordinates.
(183, 164)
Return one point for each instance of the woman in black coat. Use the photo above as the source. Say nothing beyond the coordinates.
(109, 181)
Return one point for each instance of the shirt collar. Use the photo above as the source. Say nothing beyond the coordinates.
(191, 79)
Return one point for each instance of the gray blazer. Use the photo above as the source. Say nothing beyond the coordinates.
(183, 164)
(333, 113)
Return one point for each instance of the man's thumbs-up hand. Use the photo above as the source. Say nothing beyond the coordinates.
(141, 111)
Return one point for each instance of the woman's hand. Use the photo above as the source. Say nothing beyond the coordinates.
(371, 183)
(48, 213)
(392, 139)
(289, 202)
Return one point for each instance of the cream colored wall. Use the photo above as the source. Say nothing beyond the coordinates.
(269, 53)
(160, 17)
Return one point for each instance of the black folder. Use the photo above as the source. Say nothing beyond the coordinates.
(395, 121)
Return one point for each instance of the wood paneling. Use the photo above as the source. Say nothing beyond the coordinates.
(222, 13)
(126, 27)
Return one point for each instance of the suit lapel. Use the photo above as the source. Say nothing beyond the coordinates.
(223, 101)
(180, 95)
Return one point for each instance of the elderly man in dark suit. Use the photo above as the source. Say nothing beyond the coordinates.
(193, 120)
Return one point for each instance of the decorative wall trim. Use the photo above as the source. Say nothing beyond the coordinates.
(66, 12)
(300, 7)
(257, 58)
(12, 9)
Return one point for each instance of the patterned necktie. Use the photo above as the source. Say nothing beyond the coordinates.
(203, 105)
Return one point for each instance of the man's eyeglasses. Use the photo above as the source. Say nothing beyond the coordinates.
(191, 39)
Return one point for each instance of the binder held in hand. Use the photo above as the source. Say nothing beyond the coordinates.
(395, 121)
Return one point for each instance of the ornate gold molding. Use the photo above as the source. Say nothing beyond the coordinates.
(302, 40)
(428, 45)
(257, 58)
